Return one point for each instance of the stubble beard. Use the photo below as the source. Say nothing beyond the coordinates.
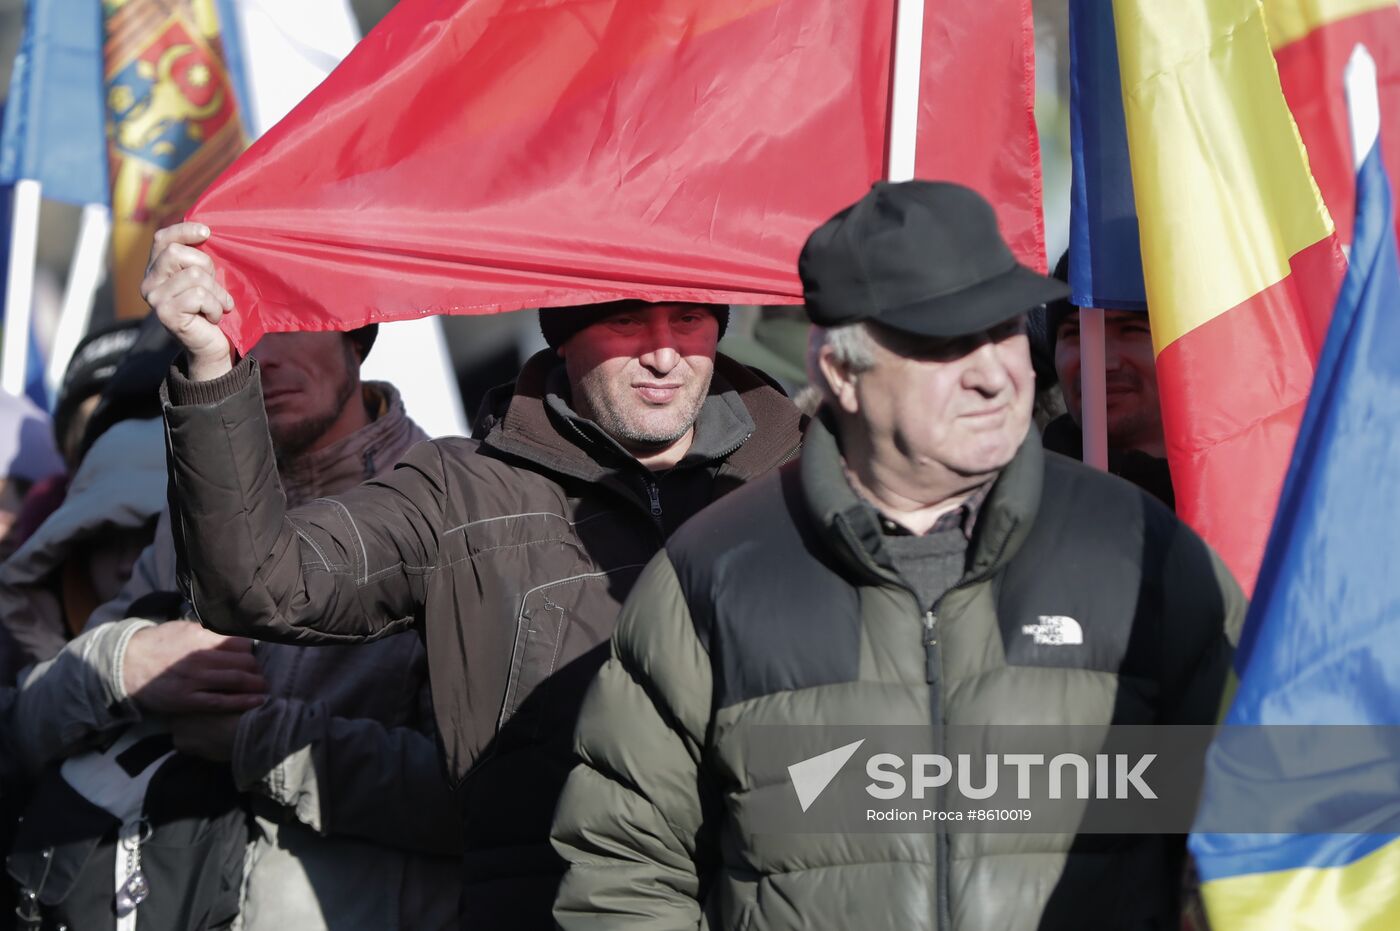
(290, 440)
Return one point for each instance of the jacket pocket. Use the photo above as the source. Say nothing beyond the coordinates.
(557, 624)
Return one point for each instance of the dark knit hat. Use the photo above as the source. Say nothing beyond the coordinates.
(1042, 324)
(558, 324)
(363, 338)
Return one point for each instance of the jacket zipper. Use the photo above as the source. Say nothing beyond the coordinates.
(654, 495)
(933, 668)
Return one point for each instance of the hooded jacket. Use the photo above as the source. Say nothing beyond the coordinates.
(353, 818)
(780, 606)
(119, 487)
(512, 555)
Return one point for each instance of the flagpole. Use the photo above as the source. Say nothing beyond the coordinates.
(1093, 390)
(904, 89)
(1363, 103)
(19, 294)
(84, 277)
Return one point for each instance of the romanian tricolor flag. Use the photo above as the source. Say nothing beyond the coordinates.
(1312, 40)
(1320, 651)
(484, 156)
(1240, 259)
(172, 123)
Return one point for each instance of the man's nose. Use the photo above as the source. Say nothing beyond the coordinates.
(986, 370)
(1112, 358)
(661, 354)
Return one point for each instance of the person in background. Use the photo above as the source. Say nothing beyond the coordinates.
(93, 366)
(333, 748)
(1136, 444)
(28, 455)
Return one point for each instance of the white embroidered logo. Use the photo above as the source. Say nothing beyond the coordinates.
(1055, 630)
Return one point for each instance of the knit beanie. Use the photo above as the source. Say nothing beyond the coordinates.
(1042, 324)
(363, 338)
(559, 324)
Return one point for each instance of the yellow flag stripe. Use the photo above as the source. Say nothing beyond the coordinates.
(1291, 20)
(1224, 193)
(1361, 896)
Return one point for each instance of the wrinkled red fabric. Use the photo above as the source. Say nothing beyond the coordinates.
(1233, 392)
(1310, 70)
(484, 156)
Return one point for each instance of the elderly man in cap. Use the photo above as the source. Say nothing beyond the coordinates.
(509, 553)
(896, 573)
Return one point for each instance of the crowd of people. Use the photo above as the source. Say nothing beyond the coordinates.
(273, 659)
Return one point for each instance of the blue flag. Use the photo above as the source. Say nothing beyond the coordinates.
(1321, 645)
(1105, 255)
(53, 130)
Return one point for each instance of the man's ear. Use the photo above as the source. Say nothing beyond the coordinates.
(839, 379)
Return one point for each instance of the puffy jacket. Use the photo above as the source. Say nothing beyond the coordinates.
(115, 497)
(779, 606)
(354, 820)
(512, 554)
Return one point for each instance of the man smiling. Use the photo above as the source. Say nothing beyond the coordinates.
(1136, 444)
(510, 553)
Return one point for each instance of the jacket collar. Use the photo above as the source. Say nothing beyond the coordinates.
(1003, 520)
(362, 455)
(745, 422)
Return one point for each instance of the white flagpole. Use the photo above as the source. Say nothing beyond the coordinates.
(84, 276)
(1093, 392)
(904, 89)
(19, 294)
(1363, 104)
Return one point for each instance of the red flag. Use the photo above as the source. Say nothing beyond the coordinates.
(1312, 40)
(491, 155)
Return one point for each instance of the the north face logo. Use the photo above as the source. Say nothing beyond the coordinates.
(1055, 630)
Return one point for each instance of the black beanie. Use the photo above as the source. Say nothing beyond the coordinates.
(1042, 324)
(558, 324)
(363, 338)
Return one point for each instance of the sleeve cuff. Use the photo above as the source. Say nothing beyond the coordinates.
(179, 390)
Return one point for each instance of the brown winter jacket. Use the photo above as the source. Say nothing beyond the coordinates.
(511, 554)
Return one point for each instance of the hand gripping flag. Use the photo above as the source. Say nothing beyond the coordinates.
(1321, 645)
(491, 155)
(1240, 259)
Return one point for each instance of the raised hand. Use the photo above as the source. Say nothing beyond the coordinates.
(180, 287)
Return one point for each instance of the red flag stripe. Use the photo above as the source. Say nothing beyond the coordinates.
(1310, 70)
(1233, 392)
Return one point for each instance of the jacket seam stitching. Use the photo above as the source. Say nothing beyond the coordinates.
(487, 520)
(354, 528)
(325, 563)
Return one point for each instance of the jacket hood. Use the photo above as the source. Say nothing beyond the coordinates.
(120, 485)
(1003, 521)
(362, 455)
(526, 424)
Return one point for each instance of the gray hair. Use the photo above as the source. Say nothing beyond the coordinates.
(852, 346)
(850, 343)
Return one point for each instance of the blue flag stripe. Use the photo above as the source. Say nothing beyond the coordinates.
(1105, 252)
(53, 130)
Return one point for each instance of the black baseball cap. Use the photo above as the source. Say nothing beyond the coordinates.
(922, 257)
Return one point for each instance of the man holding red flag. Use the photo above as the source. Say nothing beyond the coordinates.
(510, 554)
